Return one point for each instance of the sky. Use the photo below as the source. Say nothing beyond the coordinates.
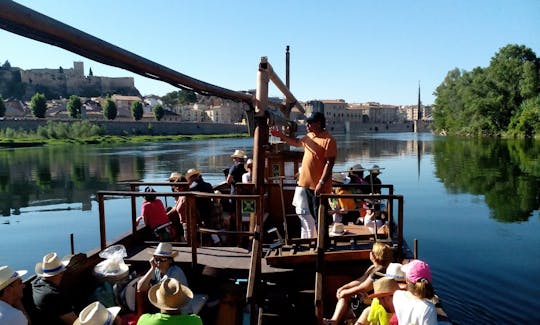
(355, 50)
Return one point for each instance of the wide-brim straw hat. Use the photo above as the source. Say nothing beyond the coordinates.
(165, 249)
(97, 314)
(239, 153)
(112, 269)
(51, 265)
(192, 172)
(175, 176)
(8, 276)
(169, 295)
(375, 169)
(340, 178)
(394, 271)
(384, 286)
(356, 168)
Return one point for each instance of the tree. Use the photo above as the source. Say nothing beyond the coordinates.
(6, 65)
(74, 106)
(38, 105)
(159, 112)
(2, 107)
(109, 109)
(181, 97)
(90, 73)
(137, 110)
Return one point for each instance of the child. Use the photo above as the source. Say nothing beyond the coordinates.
(154, 215)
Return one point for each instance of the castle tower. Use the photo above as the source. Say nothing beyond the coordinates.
(78, 69)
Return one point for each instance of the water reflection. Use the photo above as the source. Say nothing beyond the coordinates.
(505, 172)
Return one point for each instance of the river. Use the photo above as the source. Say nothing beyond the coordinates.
(473, 205)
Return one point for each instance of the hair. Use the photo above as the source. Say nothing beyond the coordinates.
(149, 197)
(422, 289)
(382, 253)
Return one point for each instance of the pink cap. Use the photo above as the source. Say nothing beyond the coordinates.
(416, 270)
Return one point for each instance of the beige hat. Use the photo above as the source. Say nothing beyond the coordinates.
(394, 271)
(175, 176)
(165, 249)
(169, 295)
(337, 229)
(97, 314)
(192, 172)
(384, 287)
(8, 276)
(51, 265)
(238, 153)
(356, 168)
(340, 178)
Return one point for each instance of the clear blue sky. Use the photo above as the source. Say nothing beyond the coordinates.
(354, 50)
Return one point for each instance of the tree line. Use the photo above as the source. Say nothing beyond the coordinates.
(502, 99)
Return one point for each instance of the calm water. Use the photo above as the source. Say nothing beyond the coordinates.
(473, 205)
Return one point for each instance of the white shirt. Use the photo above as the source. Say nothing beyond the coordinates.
(412, 310)
(11, 315)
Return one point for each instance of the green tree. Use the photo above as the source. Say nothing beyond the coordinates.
(159, 112)
(38, 105)
(74, 106)
(90, 73)
(180, 97)
(2, 107)
(137, 110)
(6, 65)
(109, 109)
(527, 121)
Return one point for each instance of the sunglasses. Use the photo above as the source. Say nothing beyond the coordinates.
(161, 259)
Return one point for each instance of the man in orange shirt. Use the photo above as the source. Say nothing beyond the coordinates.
(320, 151)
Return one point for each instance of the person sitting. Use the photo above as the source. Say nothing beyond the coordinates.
(177, 213)
(169, 296)
(12, 310)
(344, 208)
(382, 307)
(373, 179)
(246, 177)
(97, 314)
(161, 267)
(155, 216)
(53, 306)
(415, 306)
(380, 256)
(203, 205)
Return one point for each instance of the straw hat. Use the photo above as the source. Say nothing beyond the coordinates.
(239, 153)
(8, 276)
(337, 229)
(51, 265)
(384, 287)
(97, 314)
(169, 295)
(356, 168)
(394, 271)
(175, 177)
(375, 169)
(165, 249)
(341, 178)
(112, 268)
(192, 172)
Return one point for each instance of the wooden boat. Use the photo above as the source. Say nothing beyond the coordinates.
(271, 279)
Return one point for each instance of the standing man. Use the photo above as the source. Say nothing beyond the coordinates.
(12, 310)
(320, 151)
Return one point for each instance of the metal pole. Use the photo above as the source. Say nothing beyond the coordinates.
(287, 68)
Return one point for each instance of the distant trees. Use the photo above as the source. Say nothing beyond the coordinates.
(109, 109)
(497, 100)
(159, 112)
(6, 65)
(180, 97)
(137, 110)
(74, 106)
(38, 105)
(2, 107)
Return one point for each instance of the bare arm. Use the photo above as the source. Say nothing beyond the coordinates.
(291, 141)
(326, 175)
(144, 282)
(68, 318)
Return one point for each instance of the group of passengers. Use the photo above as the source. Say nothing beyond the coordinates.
(395, 293)
(165, 286)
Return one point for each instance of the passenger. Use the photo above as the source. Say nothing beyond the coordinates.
(394, 271)
(97, 314)
(373, 179)
(356, 174)
(246, 178)
(53, 306)
(12, 310)
(204, 205)
(169, 296)
(344, 208)
(237, 169)
(155, 216)
(320, 151)
(177, 213)
(381, 309)
(415, 306)
(161, 267)
(380, 256)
